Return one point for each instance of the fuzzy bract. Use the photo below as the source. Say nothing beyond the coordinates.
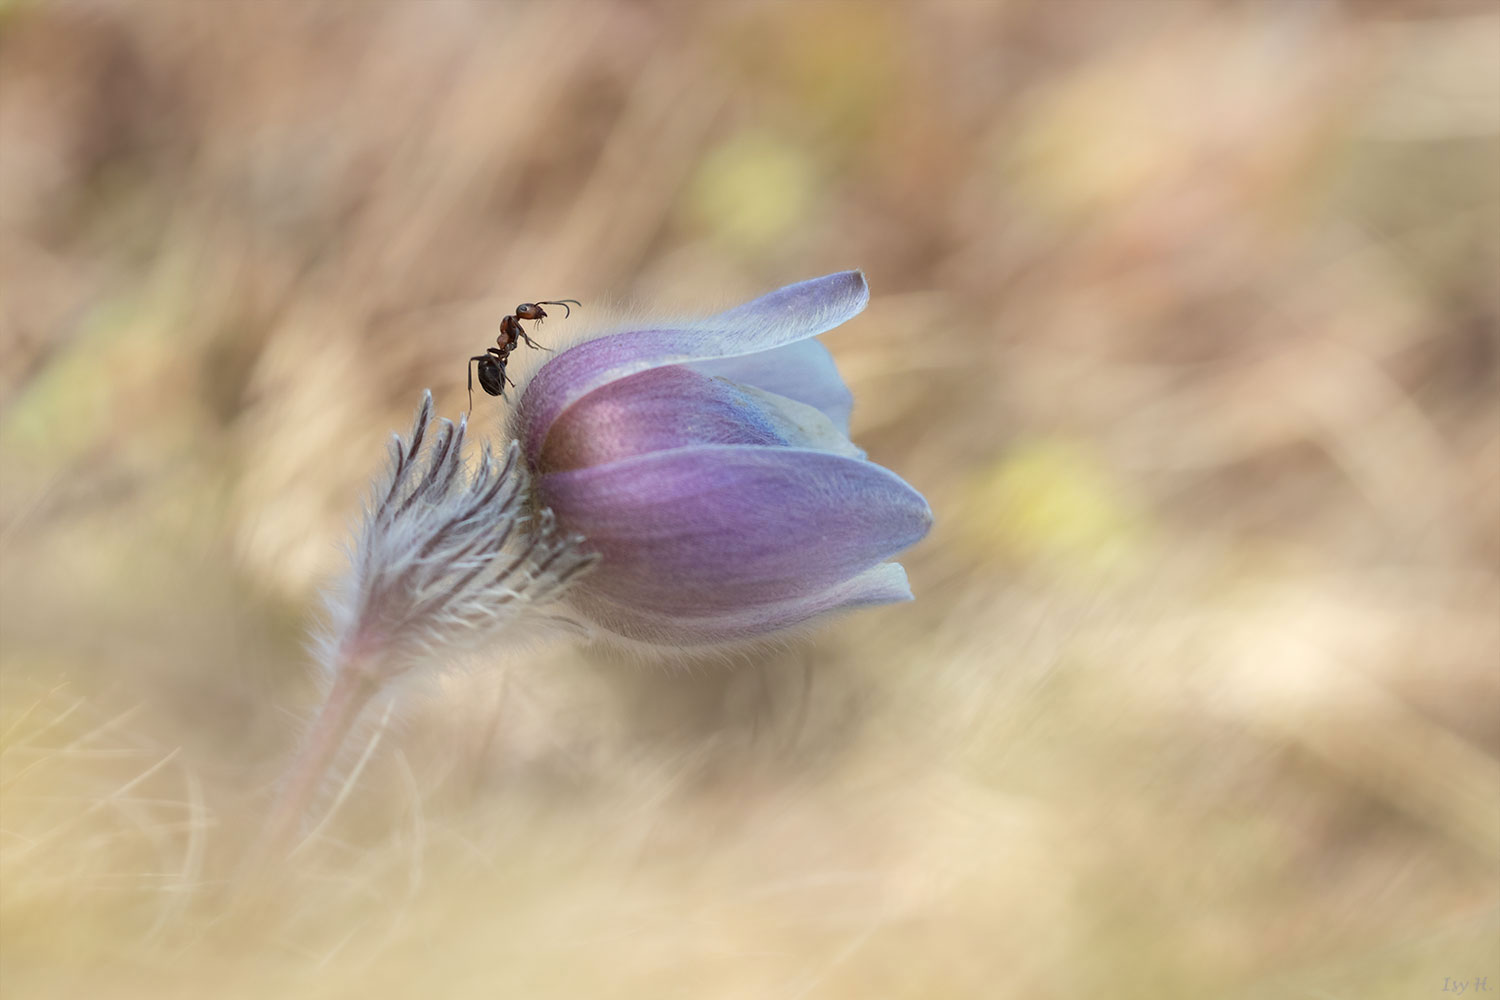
(448, 555)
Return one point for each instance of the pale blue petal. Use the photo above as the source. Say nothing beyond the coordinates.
(803, 371)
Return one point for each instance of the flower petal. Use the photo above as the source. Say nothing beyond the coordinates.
(803, 426)
(674, 407)
(793, 313)
(882, 584)
(803, 371)
(785, 316)
(715, 528)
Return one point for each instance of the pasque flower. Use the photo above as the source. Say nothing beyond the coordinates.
(682, 484)
(709, 465)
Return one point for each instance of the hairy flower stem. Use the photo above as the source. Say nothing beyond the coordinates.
(448, 556)
(353, 688)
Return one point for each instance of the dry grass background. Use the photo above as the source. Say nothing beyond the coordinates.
(1184, 319)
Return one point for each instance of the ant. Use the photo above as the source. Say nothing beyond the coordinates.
(492, 377)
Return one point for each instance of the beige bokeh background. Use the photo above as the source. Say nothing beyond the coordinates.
(1183, 318)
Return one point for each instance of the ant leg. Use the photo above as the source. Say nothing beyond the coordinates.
(532, 343)
(504, 381)
(470, 368)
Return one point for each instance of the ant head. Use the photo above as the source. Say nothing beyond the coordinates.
(534, 310)
(491, 376)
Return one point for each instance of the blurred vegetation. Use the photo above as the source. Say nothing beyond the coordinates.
(1184, 319)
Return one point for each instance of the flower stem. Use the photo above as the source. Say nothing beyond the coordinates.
(352, 690)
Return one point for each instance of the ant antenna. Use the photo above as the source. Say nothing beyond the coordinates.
(564, 303)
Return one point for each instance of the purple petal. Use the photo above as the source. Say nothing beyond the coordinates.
(803, 371)
(716, 528)
(882, 584)
(674, 407)
(790, 314)
(795, 312)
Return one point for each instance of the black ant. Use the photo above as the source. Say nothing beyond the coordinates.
(492, 377)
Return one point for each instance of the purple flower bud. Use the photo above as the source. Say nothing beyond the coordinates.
(709, 464)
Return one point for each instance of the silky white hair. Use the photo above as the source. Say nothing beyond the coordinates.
(446, 555)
